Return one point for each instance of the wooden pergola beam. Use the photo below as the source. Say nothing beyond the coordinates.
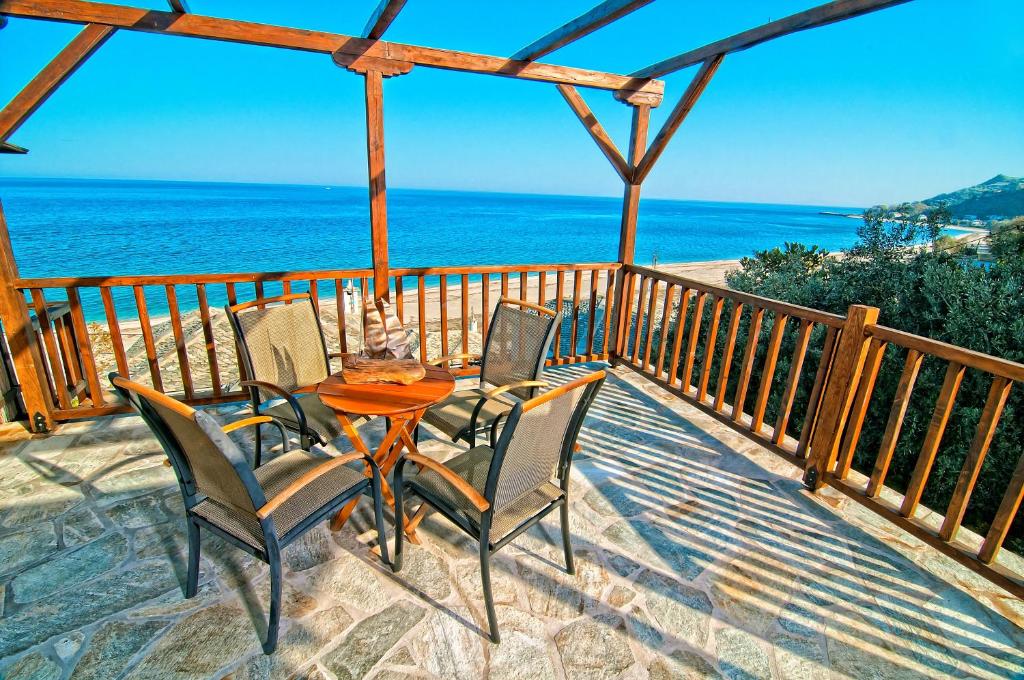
(676, 117)
(178, 6)
(51, 77)
(602, 15)
(596, 130)
(382, 17)
(829, 13)
(230, 30)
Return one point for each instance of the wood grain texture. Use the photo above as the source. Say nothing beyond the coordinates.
(596, 130)
(897, 411)
(383, 15)
(601, 15)
(803, 338)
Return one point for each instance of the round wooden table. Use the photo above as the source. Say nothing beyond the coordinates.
(403, 404)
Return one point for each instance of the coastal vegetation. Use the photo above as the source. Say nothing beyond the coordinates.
(929, 291)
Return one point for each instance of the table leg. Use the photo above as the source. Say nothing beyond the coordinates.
(382, 457)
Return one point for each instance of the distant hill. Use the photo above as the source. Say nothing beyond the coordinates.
(1001, 196)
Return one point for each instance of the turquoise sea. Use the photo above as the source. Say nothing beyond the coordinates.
(105, 227)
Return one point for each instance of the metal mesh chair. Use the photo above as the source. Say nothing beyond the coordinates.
(495, 494)
(260, 511)
(512, 364)
(282, 347)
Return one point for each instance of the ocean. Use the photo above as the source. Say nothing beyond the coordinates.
(105, 227)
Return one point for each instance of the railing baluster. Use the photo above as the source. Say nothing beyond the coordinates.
(1005, 515)
(895, 422)
(677, 341)
(652, 311)
(691, 345)
(803, 338)
(559, 294)
(443, 300)
(210, 340)
(817, 392)
(542, 288)
(504, 284)
(577, 281)
(314, 293)
(81, 331)
(998, 393)
(936, 428)
(609, 295)
(644, 282)
(592, 317)
(730, 348)
(524, 288)
(421, 304)
(768, 372)
(114, 331)
(625, 320)
(286, 289)
(179, 341)
(709, 347)
(69, 355)
(229, 290)
(60, 383)
(485, 310)
(147, 338)
(666, 321)
(258, 287)
(859, 410)
(399, 301)
(465, 316)
(339, 304)
(746, 368)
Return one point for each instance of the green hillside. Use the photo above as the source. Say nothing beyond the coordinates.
(1001, 196)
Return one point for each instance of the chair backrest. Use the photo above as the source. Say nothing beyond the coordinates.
(517, 344)
(205, 460)
(537, 442)
(281, 341)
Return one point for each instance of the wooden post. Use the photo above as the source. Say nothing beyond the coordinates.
(630, 209)
(28, 363)
(839, 392)
(378, 188)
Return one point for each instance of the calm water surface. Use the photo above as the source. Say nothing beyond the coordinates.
(99, 227)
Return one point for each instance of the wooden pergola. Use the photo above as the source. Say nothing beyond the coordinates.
(375, 59)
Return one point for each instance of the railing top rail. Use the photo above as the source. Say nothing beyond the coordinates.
(1004, 368)
(325, 274)
(797, 311)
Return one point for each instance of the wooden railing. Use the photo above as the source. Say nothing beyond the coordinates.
(135, 324)
(708, 345)
(800, 382)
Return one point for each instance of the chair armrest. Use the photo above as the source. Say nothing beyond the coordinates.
(491, 394)
(246, 422)
(300, 417)
(449, 475)
(452, 357)
(304, 481)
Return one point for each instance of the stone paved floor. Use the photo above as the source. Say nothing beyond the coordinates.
(698, 555)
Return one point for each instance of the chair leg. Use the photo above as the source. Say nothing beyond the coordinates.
(274, 620)
(192, 580)
(257, 456)
(396, 562)
(570, 565)
(378, 515)
(485, 576)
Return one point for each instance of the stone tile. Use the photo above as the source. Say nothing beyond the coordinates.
(370, 639)
(740, 656)
(37, 502)
(80, 526)
(68, 645)
(594, 648)
(348, 579)
(200, 645)
(109, 489)
(20, 548)
(112, 647)
(32, 666)
(523, 650)
(679, 610)
(503, 580)
(140, 511)
(309, 550)
(656, 546)
(799, 658)
(425, 572)
(620, 596)
(173, 602)
(449, 645)
(552, 592)
(69, 569)
(682, 665)
(297, 646)
(168, 540)
(81, 606)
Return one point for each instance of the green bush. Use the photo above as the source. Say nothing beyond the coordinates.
(932, 292)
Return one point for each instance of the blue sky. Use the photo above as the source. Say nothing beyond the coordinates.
(901, 104)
